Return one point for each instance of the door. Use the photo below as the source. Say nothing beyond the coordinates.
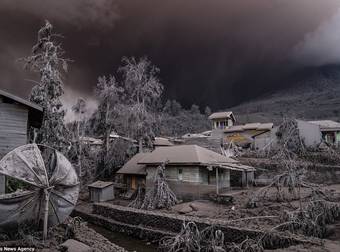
(133, 183)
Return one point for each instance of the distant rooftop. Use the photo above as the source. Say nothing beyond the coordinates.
(250, 126)
(327, 124)
(162, 141)
(222, 115)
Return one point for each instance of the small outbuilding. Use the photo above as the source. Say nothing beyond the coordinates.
(101, 191)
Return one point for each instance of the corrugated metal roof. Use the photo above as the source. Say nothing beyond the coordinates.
(20, 100)
(185, 155)
(132, 166)
(219, 115)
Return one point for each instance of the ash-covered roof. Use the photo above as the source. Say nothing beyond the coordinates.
(100, 184)
(20, 100)
(162, 141)
(185, 155)
(327, 124)
(132, 166)
(35, 112)
(249, 126)
(222, 115)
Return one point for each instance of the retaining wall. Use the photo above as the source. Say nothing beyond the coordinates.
(164, 224)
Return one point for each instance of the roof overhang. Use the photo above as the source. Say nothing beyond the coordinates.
(21, 100)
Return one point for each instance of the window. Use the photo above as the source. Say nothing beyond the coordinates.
(180, 174)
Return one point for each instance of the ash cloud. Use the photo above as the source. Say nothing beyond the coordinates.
(74, 12)
(322, 46)
(217, 53)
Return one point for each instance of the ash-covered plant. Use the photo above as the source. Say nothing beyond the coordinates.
(289, 183)
(312, 219)
(47, 60)
(139, 197)
(210, 239)
(289, 138)
(248, 245)
(160, 194)
(187, 240)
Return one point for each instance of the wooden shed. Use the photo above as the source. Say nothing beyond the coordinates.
(101, 191)
(17, 116)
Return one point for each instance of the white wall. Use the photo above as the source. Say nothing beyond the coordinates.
(310, 133)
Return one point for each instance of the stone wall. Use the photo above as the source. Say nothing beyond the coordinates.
(135, 219)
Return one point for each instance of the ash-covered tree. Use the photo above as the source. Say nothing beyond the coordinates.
(80, 110)
(143, 91)
(47, 60)
(109, 94)
(207, 111)
(172, 107)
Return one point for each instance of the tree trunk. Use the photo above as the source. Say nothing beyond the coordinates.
(107, 130)
(79, 149)
(140, 142)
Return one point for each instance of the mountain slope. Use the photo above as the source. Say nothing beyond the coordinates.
(313, 94)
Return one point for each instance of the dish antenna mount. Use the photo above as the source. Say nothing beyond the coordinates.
(53, 190)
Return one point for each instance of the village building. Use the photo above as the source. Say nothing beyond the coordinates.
(255, 135)
(161, 142)
(309, 133)
(134, 174)
(222, 120)
(17, 118)
(94, 143)
(193, 172)
(330, 131)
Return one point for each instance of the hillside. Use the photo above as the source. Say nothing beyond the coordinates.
(312, 94)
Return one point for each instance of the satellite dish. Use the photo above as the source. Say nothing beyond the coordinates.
(53, 190)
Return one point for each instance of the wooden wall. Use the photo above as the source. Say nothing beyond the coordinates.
(13, 129)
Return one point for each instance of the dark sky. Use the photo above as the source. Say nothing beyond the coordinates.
(210, 52)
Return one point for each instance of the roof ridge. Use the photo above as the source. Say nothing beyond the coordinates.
(196, 151)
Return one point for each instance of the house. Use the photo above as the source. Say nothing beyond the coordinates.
(17, 117)
(134, 174)
(309, 133)
(222, 120)
(94, 143)
(249, 135)
(193, 172)
(101, 191)
(330, 131)
(161, 141)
